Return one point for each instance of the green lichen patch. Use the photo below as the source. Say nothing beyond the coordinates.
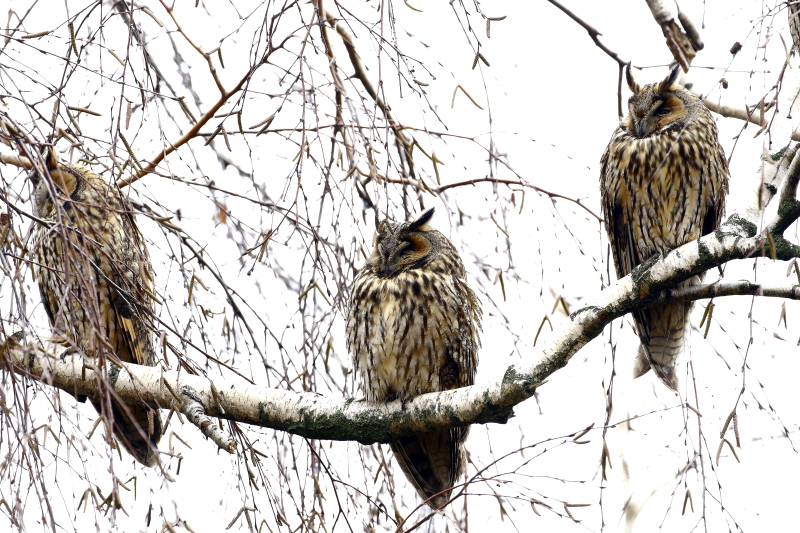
(366, 428)
(113, 374)
(777, 156)
(746, 227)
(787, 207)
(785, 249)
(641, 273)
(586, 309)
(705, 253)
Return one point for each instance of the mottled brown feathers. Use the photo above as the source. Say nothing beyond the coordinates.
(663, 182)
(413, 327)
(96, 282)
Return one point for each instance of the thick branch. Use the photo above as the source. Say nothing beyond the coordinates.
(196, 413)
(315, 416)
(729, 288)
(789, 207)
(302, 413)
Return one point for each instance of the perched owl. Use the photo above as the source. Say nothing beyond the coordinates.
(96, 283)
(663, 181)
(413, 327)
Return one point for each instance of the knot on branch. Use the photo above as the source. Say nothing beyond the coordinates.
(195, 411)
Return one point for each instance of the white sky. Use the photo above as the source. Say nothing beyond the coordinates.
(552, 96)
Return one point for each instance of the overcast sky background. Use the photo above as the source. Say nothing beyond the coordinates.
(549, 103)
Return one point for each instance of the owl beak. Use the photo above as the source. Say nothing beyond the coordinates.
(387, 269)
(645, 126)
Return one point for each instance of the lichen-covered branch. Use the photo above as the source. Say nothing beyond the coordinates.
(302, 413)
(196, 413)
(315, 416)
(729, 288)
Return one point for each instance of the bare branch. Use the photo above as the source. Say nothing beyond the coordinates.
(593, 33)
(314, 416)
(683, 46)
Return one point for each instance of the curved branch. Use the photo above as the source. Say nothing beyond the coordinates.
(314, 416)
(189, 135)
(729, 288)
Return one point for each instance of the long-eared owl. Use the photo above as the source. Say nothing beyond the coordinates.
(413, 327)
(663, 182)
(96, 283)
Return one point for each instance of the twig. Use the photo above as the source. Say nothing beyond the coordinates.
(754, 117)
(593, 33)
(195, 412)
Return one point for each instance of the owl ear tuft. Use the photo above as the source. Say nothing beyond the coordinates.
(422, 221)
(670, 80)
(632, 85)
(50, 157)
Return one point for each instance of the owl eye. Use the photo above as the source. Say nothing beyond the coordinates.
(407, 248)
(661, 111)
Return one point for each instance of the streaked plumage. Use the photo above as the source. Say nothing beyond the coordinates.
(97, 288)
(413, 327)
(663, 182)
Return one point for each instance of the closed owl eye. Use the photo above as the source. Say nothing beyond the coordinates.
(661, 111)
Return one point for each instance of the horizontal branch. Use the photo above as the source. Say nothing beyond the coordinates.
(315, 416)
(740, 113)
(307, 414)
(728, 288)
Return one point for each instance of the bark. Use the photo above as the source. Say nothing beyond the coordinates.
(683, 39)
(315, 416)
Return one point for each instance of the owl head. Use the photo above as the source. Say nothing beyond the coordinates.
(658, 107)
(65, 181)
(405, 246)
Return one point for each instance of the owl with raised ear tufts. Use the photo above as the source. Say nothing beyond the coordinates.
(663, 182)
(413, 327)
(96, 282)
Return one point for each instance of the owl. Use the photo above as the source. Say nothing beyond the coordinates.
(413, 327)
(663, 181)
(96, 283)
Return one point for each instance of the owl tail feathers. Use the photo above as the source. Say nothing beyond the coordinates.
(643, 364)
(432, 462)
(661, 330)
(132, 428)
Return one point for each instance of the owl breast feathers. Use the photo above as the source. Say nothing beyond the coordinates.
(663, 182)
(96, 282)
(413, 327)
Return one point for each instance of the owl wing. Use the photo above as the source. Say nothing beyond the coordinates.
(126, 283)
(616, 197)
(716, 204)
(134, 307)
(469, 326)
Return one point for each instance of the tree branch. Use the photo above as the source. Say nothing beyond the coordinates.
(593, 33)
(314, 416)
(684, 42)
